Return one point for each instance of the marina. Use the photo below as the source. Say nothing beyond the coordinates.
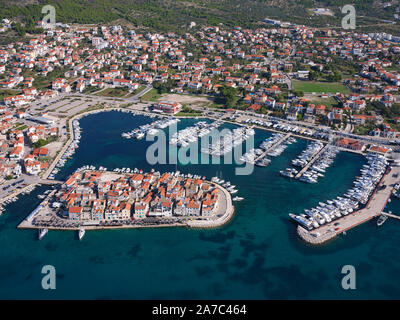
(69, 152)
(192, 150)
(254, 220)
(371, 192)
(228, 141)
(272, 147)
(312, 162)
(317, 166)
(191, 134)
(150, 129)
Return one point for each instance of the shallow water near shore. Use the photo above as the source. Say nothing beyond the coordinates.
(255, 256)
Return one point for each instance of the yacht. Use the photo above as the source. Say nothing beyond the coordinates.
(237, 198)
(263, 162)
(42, 233)
(301, 220)
(81, 233)
(381, 220)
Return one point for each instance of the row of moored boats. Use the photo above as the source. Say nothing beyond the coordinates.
(268, 148)
(150, 129)
(228, 141)
(70, 150)
(189, 135)
(364, 186)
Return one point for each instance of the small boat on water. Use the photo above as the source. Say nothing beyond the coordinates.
(381, 220)
(81, 233)
(42, 233)
(238, 199)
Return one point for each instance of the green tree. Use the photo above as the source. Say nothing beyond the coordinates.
(228, 96)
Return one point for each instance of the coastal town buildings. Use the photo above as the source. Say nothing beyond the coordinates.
(105, 196)
(264, 67)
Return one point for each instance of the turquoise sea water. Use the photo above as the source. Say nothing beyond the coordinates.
(256, 256)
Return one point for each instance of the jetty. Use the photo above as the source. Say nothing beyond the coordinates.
(311, 162)
(372, 209)
(28, 187)
(390, 215)
(274, 146)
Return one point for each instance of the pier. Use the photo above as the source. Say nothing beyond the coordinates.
(390, 215)
(31, 185)
(275, 145)
(310, 163)
(372, 209)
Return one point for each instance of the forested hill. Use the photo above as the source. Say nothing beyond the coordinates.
(171, 15)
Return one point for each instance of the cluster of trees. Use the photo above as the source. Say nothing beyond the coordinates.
(366, 128)
(386, 112)
(163, 87)
(67, 11)
(297, 93)
(168, 15)
(186, 109)
(227, 96)
(28, 26)
(43, 142)
(335, 76)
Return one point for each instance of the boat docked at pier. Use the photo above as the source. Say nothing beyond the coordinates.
(150, 129)
(364, 186)
(301, 220)
(81, 233)
(288, 173)
(237, 198)
(229, 141)
(185, 137)
(381, 220)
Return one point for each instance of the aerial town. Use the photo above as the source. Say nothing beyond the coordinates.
(199, 149)
(324, 84)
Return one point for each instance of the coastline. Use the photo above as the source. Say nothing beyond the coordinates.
(203, 224)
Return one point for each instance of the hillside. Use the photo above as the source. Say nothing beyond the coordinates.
(172, 14)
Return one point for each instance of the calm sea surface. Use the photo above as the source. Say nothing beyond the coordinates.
(256, 256)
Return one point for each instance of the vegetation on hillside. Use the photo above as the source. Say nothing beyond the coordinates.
(170, 15)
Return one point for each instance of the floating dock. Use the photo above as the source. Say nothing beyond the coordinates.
(275, 145)
(311, 162)
(390, 215)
